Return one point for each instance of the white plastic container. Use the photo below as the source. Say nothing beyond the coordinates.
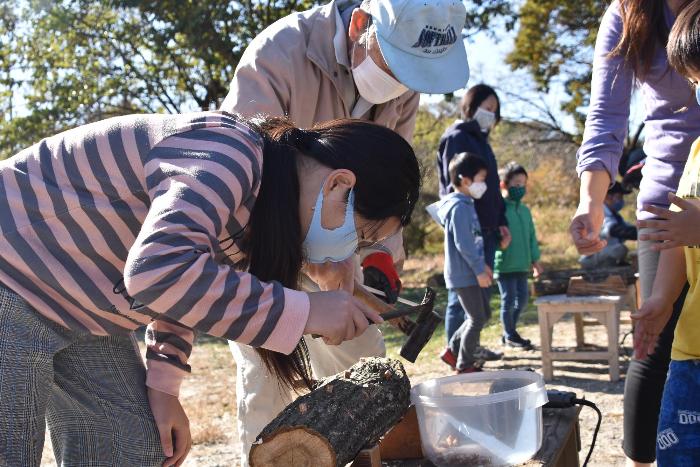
(481, 419)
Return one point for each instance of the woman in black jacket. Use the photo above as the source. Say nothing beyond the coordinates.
(481, 111)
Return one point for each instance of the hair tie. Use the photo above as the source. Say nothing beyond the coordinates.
(302, 139)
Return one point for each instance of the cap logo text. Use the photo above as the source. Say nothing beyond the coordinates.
(431, 37)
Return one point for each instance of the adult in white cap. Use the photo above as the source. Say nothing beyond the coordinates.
(363, 59)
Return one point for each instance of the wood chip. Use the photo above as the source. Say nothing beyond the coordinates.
(449, 442)
(303, 408)
(388, 374)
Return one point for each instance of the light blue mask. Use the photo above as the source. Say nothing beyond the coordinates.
(697, 94)
(322, 245)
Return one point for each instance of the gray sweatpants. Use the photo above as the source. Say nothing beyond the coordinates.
(89, 389)
(475, 303)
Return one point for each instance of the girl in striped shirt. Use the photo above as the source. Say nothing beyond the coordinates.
(195, 222)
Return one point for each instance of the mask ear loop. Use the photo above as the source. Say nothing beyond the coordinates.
(350, 210)
(367, 33)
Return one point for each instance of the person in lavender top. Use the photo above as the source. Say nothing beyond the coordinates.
(630, 51)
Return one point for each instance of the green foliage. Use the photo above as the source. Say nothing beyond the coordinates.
(547, 155)
(555, 40)
(431, 122)
(481, 14)
(70, 62)
(77, 61)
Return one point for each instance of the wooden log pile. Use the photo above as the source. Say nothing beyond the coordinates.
(330, 425)
(557, 281)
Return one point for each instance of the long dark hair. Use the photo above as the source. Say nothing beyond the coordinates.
(683, 46)
(272, 241)
(643, 30)
(474, 97)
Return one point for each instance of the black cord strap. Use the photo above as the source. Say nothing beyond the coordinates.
(597, 427)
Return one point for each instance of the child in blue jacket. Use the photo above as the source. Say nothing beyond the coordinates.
(466, 271)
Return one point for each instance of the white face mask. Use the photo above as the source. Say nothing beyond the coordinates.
(374, 84)
(477, 189)
(485, 119)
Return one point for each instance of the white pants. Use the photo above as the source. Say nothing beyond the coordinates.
(258, 395)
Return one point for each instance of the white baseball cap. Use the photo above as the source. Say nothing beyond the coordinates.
(421, 42)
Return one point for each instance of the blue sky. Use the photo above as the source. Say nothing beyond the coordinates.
(487, 63)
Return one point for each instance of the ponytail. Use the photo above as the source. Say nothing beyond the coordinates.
(272, 242)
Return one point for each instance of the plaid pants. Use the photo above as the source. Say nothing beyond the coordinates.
(90, 390)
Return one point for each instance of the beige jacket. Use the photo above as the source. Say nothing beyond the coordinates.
(291, 69)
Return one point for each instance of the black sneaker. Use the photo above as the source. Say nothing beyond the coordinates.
(518, 342)
(522, 339)
(482, 353)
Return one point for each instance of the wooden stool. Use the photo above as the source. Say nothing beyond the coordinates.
(604, 309)
(629, 303)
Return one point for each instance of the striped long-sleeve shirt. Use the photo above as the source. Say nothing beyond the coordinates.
(120, 223)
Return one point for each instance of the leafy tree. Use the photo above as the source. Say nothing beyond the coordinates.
(70, 62)
(75, 61)
(431, 122)
(555, 41)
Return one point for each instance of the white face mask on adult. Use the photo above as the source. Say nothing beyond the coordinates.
(485, 119)
(374, 84)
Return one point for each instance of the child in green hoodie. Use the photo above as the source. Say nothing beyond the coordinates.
(514, 263)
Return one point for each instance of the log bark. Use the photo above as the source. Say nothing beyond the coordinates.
(344, 414)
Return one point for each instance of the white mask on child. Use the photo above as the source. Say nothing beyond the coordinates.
(477, 189)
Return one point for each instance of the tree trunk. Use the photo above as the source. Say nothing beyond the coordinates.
(342, 415)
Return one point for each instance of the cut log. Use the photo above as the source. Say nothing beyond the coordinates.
(556, 282)
(345, 413)
(612, 285)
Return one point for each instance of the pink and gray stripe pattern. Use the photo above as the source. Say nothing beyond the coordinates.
(118, 223)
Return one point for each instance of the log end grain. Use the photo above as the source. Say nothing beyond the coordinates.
(296, 446)
(342, 415)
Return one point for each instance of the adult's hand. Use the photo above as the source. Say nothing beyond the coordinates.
(173, 426)
(338, 316)
(650, 321)
(588, 219)
(333, 276)
(675, 228)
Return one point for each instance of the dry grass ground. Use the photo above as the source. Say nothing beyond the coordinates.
(208, 394)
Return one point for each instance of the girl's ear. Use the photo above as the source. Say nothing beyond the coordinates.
(503, 185)
(340, 181)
